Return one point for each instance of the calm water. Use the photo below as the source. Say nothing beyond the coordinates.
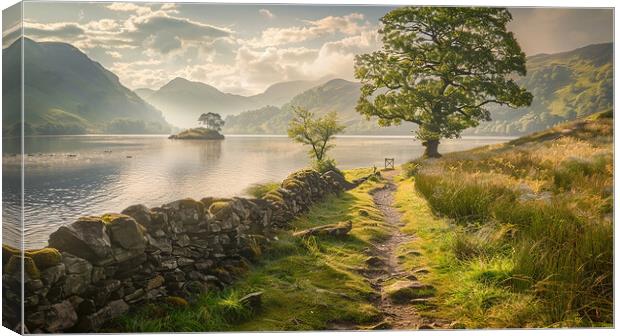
(70, 176)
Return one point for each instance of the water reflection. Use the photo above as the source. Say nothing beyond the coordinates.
(67, 177)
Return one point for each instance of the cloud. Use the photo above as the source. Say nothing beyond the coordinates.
(129, 7)
(266, 13)
(350, 24)
(114, 54)
(59, 31)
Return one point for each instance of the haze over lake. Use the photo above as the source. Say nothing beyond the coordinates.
(71, 176)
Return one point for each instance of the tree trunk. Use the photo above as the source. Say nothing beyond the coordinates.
(431, 148)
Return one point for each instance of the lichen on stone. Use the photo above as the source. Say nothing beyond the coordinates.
(45, 257)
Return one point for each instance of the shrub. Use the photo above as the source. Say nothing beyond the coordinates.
(323, 166)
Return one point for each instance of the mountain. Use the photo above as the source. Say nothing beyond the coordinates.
(336, 95)
(565, 86)
(182, 101)
(65, 92)
(144, 93)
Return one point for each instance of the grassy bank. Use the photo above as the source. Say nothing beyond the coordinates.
(308, 284)
(525, 237)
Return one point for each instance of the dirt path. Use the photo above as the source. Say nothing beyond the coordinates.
(385, 269)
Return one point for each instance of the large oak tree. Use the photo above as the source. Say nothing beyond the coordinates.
(441, 68)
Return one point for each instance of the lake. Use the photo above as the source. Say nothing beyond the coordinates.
(70, 176)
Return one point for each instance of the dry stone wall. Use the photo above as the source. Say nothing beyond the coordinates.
(96, 267)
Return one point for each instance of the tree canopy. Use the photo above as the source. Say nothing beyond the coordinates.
(317, 132)
(212, 121)
(441, 68)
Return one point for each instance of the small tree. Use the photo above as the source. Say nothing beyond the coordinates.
(441, 67)
(317, 132)
(212, 121)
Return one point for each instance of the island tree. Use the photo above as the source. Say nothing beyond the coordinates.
(316, 132)
(212, 121)
(441, 68)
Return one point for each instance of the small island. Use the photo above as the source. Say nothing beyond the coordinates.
(211, 131)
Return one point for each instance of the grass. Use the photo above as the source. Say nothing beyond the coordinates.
(308, 284)
(258, 190)
(525, 228)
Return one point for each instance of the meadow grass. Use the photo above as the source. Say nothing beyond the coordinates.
(527, 228)
(307, 283)
(258, 190)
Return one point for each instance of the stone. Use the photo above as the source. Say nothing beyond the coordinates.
(182, 261)
(332, 230)
(86, 238)
(98, 274)
(76, 283)
(403, 291)
(193, 288)
(162, 244)
(124, 231)
(252, 300)
(203, 265)
(112, 310)
(75, 265)
(140, 213)
(61, 317)
(135, 296)
(155, 282)
(375, 261)
(168, 264)
(183, 240)
(45, 257)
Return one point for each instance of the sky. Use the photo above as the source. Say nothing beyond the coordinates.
(243, 48)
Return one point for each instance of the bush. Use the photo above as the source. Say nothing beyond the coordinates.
(325, 165)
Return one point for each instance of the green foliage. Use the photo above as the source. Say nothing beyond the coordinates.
(258, 190)
(212, 121)
(440, 67)
(325, 165)
(316, 132)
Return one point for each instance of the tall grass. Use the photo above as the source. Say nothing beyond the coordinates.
(559, 239)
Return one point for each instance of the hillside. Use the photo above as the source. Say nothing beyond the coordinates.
(182, 101)
(336, 95)
(524, 229)
(68, 93)
(565, 86)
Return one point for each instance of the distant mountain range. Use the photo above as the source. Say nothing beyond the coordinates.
(68, 93)
(565, 86)
(183, 101)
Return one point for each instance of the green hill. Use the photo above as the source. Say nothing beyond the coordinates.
(65, 92)
(565, 86)
(336, 95)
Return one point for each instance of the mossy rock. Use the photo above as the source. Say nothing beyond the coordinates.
(274, 196)
(293, 184)
(207, 201)
(190, 203)
(110, 217)
(30, 268)
(216, 207)
(7, 252)
(45, 257)
(176, 301)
